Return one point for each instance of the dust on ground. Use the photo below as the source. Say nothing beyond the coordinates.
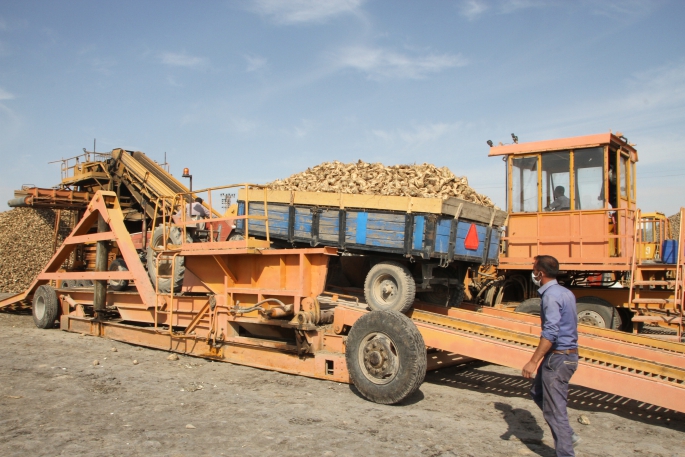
(55, 401)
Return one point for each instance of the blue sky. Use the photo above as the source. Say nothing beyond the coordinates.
(251, 91)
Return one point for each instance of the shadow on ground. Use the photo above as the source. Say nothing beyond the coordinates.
(476, 377)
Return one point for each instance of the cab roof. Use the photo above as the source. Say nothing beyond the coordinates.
(587, 141)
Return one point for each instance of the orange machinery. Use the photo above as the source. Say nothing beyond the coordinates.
(575, 199)
(244, 302)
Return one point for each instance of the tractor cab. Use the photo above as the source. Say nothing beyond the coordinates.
(573, 198)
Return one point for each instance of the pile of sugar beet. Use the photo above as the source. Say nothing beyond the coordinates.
(360, 177)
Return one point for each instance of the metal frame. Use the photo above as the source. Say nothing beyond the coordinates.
(260, 307)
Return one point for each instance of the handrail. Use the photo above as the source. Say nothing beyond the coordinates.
(679, 273)
(633, 263)
(166, 207)
(70, 164)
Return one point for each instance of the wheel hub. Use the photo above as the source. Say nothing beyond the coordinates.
(379, 358)
(593, 318)
(39, 307)
(388, 289)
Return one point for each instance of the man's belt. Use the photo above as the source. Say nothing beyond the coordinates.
(566, 351)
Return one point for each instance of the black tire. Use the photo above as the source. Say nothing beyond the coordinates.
(235, 237)
(386, 356)
(597, 312)
(389, 286)
(45, 307)
(441, 295)
(530, 306)
(118, 284)
(174, 236)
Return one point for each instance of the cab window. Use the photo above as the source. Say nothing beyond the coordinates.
(588, 169)
(624, 177)
(524, 184)
(556, 179)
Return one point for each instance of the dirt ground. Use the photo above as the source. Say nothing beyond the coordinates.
(55, 401)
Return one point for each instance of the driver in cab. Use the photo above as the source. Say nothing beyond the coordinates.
(561, 201)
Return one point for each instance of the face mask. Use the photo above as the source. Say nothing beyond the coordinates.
(536, 281)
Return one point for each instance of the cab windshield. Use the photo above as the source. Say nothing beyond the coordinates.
(568, 180)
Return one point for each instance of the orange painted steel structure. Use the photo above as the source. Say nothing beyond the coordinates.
(594, 235)
(261, 307)
(578, 238)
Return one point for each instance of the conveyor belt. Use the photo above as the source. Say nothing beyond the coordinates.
(629, 369)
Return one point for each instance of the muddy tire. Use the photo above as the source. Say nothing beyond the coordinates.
(45, 307)
(530, 306)
(597, 312)
(174, 236)
(118, 284)
(235, 237)
(389, 286)
(386, 356)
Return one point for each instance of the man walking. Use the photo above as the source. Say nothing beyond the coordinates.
(558, 352)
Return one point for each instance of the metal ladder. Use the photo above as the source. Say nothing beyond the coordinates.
(165, 255)
(650, 276)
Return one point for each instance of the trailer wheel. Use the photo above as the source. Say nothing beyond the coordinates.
(597, 312)
(45, 307)
(386, 356)
(530, 306)
(174, 236)
(118, 284)
(389, 286)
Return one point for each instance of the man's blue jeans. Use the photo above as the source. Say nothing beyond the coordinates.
(550, 393)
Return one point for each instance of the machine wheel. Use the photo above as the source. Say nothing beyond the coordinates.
(118, 284)
(389, 286)
(235, 237)
(174, 236)
(68, 284)
(441, 295)
(597, 312)
(386, 356)
(45, 307)
(530, 306)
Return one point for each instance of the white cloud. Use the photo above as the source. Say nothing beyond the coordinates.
(172, 81)
(10, 123)
(510, 6)
(379, 63)
(4, 95)
(103, 65)
(471, 9)
(630, 9)
(615, 9)
(418, 134)
(305, 127)
(181, 60)
(303, 11)
(241, 125)
(254, 63)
